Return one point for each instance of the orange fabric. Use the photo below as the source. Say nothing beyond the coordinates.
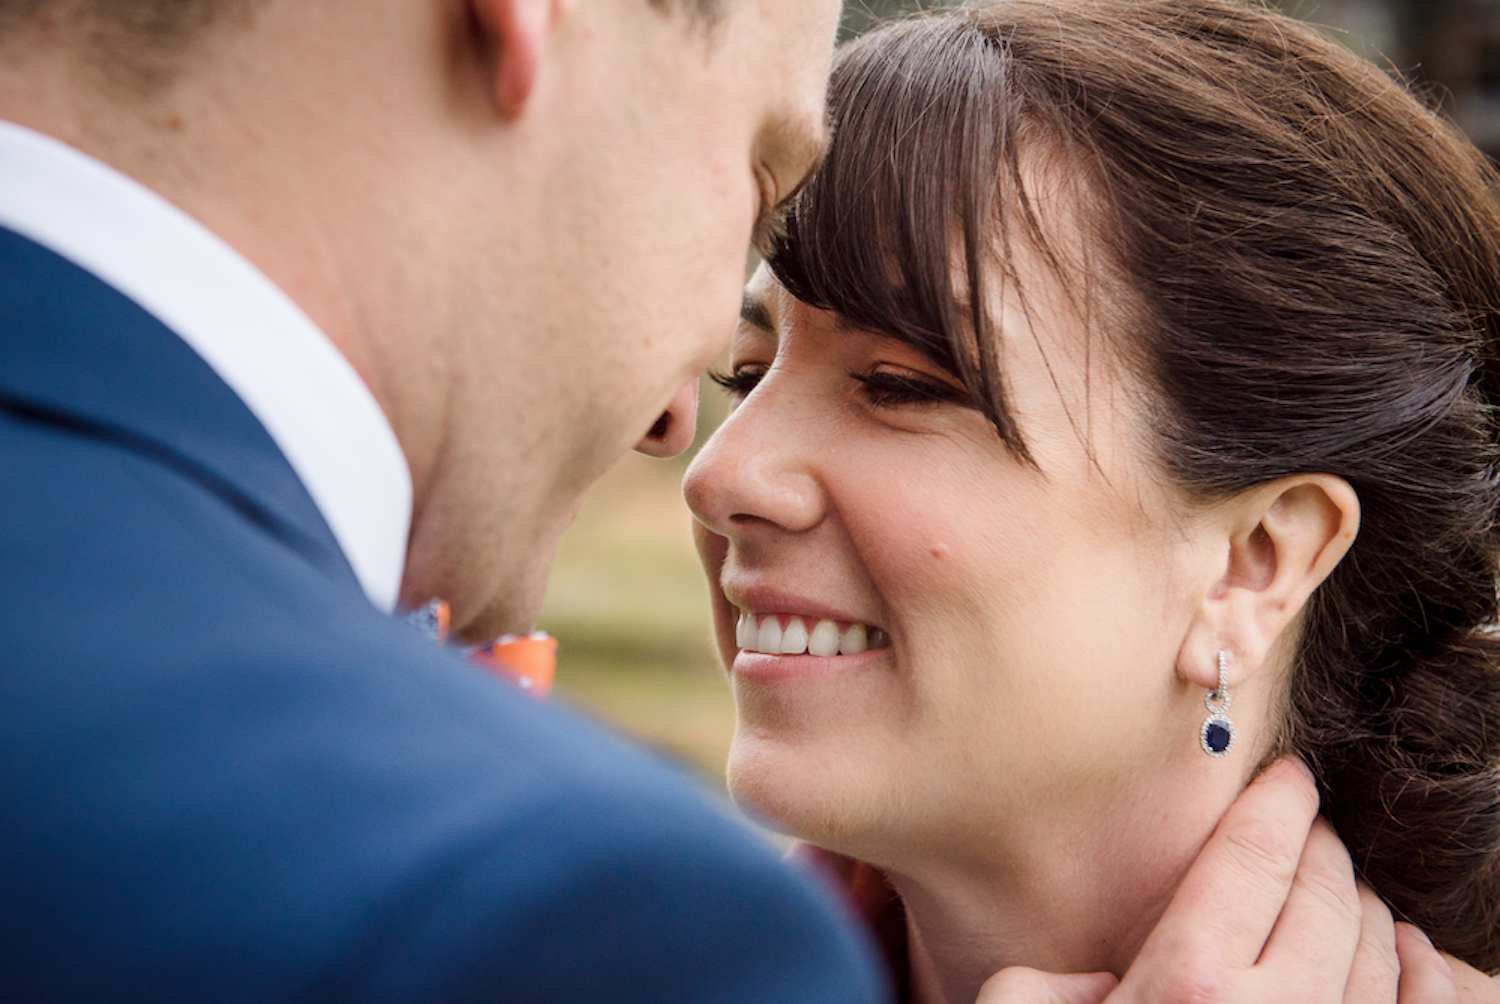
(529, 661)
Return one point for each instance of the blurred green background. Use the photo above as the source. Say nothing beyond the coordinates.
(627, 600)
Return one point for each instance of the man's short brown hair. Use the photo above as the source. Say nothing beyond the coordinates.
(177, 22)
(134, 44)
(139, 44)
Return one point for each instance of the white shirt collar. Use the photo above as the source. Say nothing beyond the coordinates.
(316, 408)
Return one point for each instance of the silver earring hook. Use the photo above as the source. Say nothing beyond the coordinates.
(1218, 701)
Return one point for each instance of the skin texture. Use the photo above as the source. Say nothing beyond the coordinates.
(1259, 951)
(816, 500)
(1017, 758)
(953, 758)
(469, 198)
(523, 222)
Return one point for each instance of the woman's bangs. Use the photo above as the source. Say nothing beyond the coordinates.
(884, 233)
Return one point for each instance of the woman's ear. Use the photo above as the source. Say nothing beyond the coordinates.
(513, 34)
(1280, 541)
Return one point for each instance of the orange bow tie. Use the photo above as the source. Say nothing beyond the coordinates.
(529, 661)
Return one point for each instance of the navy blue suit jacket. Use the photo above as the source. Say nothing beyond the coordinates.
(224, 776)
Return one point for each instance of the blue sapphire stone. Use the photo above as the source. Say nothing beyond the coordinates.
(1216, 737)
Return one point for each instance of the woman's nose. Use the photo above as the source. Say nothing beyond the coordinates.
(759, 470)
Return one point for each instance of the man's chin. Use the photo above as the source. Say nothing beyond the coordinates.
(512, 611)
(480, 611)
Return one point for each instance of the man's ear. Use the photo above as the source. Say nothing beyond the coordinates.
(1281, 540)
(515, 33)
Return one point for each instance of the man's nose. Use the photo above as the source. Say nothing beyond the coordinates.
(674, 430)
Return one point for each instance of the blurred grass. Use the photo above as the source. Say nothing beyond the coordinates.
(629, 607)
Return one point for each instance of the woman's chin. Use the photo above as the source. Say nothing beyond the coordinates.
(804, 790)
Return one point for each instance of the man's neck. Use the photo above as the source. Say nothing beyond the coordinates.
(235, 146)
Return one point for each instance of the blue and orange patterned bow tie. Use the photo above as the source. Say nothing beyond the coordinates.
(528, 661)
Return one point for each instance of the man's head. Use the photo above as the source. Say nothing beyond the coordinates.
(523, 221)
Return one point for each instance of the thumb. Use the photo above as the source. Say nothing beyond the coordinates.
(1032, 986)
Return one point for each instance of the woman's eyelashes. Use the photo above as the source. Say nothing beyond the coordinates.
(741, 380)
(885, 388)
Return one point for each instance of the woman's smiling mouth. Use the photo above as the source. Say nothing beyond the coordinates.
(782, 634)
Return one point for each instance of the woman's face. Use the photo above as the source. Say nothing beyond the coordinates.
(1020, 624)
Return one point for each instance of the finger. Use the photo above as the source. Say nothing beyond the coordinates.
(1032, 986)
(1377, 970)
(1426, 977)
(1311, 952)
(1227, 905)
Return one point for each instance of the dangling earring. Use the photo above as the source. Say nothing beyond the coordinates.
(1217, 735)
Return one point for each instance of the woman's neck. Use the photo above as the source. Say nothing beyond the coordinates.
(1080, 895)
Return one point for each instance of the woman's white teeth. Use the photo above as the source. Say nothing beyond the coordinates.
(767, 636)
(824, 639)
(794, 637)
(855, 640)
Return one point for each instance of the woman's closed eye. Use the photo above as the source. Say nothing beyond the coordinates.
(886, 388)
(740, 380)
(882, 387)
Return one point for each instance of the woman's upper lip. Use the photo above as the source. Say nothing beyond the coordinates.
(761, 599)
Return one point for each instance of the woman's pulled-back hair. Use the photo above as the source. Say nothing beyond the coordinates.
(1312, 263)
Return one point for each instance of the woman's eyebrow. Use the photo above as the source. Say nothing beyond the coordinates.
(755, 313)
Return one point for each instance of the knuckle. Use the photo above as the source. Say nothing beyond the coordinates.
(1265, 849)
(1332, 885)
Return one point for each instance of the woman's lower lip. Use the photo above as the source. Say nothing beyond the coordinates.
(762, 667)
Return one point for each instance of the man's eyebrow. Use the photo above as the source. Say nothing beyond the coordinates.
(754, 313)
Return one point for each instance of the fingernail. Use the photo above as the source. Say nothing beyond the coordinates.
(1419, 933)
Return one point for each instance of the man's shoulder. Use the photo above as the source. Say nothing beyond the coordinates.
(228, 768)
(611, 876)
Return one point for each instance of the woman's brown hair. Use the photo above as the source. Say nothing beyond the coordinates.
(1311, 260)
